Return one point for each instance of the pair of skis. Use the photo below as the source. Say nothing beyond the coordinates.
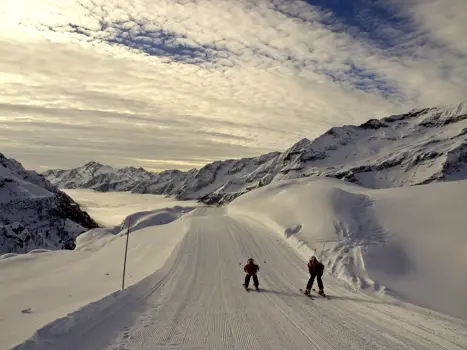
(248, 288)
(311, 296)
(301, 291)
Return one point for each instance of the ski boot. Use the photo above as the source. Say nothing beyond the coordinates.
(321, 292)
(306, 292)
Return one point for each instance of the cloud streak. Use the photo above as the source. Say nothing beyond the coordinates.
(125, 80)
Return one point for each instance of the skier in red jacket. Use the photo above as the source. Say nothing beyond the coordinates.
(316, 269)
(251, 269)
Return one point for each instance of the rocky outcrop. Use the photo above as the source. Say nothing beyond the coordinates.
(34, 214)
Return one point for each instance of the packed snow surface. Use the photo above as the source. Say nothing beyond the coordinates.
(190, 294)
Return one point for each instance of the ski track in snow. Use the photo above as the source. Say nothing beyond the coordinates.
(196, 301)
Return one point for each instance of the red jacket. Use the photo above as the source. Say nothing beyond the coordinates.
(315, 268)
(251, 269)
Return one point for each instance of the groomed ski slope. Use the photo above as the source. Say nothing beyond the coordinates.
(196, 301)
(42, 286)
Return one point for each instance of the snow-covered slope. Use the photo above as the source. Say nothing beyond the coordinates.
(195, 300)
(37, 288)
(422, 146)
(403, 241)
(34, 213)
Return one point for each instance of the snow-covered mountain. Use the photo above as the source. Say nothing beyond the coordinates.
(99, 177)
(419, 147)
(34, 213)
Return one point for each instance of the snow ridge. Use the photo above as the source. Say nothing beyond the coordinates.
(35, 214)
(422, 146)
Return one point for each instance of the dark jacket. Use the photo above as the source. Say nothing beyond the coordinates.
(251, 269)
(315, 268)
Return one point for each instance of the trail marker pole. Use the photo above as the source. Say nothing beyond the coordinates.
(126, 249)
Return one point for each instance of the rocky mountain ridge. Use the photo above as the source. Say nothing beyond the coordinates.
(34, 214)
(419, 147)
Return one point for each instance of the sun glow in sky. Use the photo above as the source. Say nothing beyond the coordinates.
(177, 84)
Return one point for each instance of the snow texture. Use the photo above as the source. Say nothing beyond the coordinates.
(34, 213)
(52, 284)
(419, 147)
(186, 279)
(407, 242)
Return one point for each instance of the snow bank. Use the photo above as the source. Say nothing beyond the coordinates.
(51, 284)
(305, 212)
(95, 239)
(425, 257)
(409, 241)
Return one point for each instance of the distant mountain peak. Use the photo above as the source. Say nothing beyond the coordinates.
(421, 146)
(302, 143)
(93, 164)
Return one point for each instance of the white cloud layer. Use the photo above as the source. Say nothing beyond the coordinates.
(177, 84)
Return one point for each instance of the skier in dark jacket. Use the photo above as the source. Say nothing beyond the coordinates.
(251, 269)
(316, 269)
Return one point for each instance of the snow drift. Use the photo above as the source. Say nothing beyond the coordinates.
(409, 242)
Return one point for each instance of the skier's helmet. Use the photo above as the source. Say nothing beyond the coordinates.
(251, 260)
(313, 258)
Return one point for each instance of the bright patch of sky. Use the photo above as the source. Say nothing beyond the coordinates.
(177, 84)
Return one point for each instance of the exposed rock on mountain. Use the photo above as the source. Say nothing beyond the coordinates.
(418, 147)
(35, 214)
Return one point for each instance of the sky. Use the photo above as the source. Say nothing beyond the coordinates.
(167, 84)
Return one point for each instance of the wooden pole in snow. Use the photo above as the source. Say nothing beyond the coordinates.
(126, 249)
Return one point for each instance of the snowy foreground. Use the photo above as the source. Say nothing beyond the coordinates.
(185, 274)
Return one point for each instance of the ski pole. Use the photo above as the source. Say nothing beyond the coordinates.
(126, 249)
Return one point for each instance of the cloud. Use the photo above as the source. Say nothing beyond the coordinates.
(138, 82)
(443, 22)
